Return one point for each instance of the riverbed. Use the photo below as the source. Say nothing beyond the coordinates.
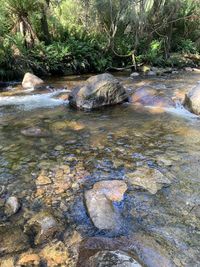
(81, 148)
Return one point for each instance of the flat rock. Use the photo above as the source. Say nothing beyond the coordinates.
(34, 132)
(147, 178)
(112, 259)
(99, 202)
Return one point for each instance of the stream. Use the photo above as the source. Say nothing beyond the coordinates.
(79, 149)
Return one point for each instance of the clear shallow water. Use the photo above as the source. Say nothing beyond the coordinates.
(102, 145)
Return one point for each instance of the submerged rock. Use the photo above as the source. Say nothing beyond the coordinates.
(31, 81)
(99, 202)
(28, 259)
(112, 259)
(147, 178)
(192, 100)
(55, 254)
(43, 226)
(148, 96)
(145, 249)
(12, 240)
(12, 206)
(42, 179)
(100, 90)
(34, 132)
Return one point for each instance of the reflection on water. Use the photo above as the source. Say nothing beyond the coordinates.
(82, 148)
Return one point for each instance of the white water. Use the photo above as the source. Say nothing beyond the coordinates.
(29, 102)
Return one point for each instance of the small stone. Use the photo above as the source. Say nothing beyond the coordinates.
(44, 225)
(55, 254)
(188, 69)
(28, 259)
(151, 73)
(59, 148)
(34, 132)
(147, 178)
(12, 206)
(43, 179)
(134, 74)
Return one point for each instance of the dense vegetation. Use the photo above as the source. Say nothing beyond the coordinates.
(64, 36)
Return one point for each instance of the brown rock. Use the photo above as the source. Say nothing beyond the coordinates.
(28, 259)
(55, 254)
(43, 179)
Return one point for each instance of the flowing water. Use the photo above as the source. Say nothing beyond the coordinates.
(103, 145)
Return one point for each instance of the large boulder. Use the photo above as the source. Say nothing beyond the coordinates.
(31, 81)
(192, 100)
(100, 206)
(148, 96)
(100, 90)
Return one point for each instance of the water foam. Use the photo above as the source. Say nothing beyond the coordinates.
(29, 102)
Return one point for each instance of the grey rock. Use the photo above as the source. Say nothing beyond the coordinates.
(99, 202)
(34, 132)
(147, 178)
(12, 206)
(192, 100)
(100, 90)
(134, 74)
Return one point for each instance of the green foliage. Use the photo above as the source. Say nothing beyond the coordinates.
(76, 36)
(187, 46)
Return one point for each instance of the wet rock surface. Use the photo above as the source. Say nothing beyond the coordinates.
(112, 259)
(149, 179)
(100, 90)
(148, 96)
(99, 202)
(192, 100)
(144, 250)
